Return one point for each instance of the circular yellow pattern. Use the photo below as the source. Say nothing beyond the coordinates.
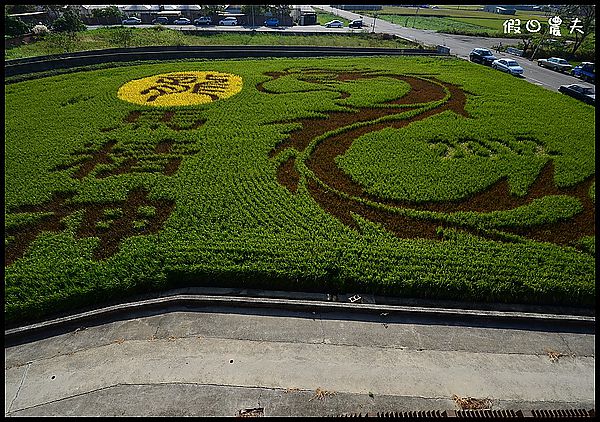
(181, 88)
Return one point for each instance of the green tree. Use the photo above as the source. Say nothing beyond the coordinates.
(257, 9)
(15, 26)
(280, 10)
(586, 21)
(68, 22)
(105, 14)
(53, 10)
(211, 9)
(19, 8)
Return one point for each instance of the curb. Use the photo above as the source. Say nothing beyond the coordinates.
(202, 300)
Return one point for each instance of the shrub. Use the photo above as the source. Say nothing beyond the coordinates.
(68, 22)
(15, 26)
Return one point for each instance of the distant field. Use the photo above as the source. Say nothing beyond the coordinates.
(494, 24)
(454, 12)
(440, 24)
(468, 20)
(105, 38)
(409, 176)
(462, 7)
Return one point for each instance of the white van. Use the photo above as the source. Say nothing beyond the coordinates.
(228, 21)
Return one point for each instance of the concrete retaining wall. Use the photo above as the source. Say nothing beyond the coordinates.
(87, 58)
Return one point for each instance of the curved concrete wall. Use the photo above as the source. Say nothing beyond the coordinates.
(86, 58)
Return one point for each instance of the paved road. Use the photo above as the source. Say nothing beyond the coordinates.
(236, 29)
(461, 46)
(216, 361)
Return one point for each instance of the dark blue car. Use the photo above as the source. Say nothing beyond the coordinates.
(272, 22)
(585, 71)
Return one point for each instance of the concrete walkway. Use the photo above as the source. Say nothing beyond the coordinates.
(217, 361)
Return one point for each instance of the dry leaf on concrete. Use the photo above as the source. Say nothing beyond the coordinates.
(322, 394)
(471, 403)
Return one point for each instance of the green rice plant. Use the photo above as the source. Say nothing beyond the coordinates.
(208, 203)
(104, 225)
(112, 213)
(146, 211)
(139, 224)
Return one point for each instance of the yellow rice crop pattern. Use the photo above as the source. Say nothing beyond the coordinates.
(181, 88)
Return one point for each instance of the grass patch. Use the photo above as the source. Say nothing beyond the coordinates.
(103, 38)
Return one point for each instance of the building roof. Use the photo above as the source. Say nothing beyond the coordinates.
(135, 8)
(96, 6)
(17, 15)
(303, 8)
(188, 7)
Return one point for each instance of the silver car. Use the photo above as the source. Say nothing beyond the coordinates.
(131, 21)
(334, 24)
(508, 66)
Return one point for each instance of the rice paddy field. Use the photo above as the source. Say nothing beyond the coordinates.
(416, 177)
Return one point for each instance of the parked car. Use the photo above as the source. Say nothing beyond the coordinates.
(231, 21)
(182, 21)
(585, 71)
(508, 66)
(555, 63)
(356, 23)
(161, 20)
(482, 55)
(203, 20)
(131, 21)
(582, 93)
(334, 24)
(272, 22)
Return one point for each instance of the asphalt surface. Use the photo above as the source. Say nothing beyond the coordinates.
(461, 46)
(220, 360)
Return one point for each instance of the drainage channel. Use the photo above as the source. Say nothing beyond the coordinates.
(479, 413)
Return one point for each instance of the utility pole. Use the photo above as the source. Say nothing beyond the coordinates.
(539, 44)
(374, 18)
(415, 18)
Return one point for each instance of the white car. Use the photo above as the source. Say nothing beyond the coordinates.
(131, 21)
(182, 21)
(334, 24)
(508, 66)
(228, 21)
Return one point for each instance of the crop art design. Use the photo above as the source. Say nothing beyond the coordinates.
(115, 221)
(110, 222)
(309, 157)
(181, 88)
(417, 177)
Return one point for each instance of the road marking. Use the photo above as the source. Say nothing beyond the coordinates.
(536, 81)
